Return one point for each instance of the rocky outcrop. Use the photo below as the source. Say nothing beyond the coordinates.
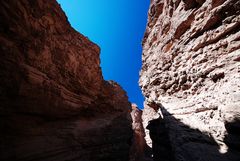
(190, 76)
(148, 114)
(156, 137)
(55, 104)
(139, 149)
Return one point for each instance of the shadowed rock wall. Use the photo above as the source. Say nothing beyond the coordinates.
(139, 149)
(55, 104)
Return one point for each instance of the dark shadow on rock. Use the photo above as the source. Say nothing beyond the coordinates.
(173, 140)
(232, 139)
(161, 148)
(148, 153)
(140, 151)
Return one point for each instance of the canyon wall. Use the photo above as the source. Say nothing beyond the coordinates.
(55, 105)
(190, 78)
(139, 149)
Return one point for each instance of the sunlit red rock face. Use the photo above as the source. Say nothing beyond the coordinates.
(191, 70)
(55, 104)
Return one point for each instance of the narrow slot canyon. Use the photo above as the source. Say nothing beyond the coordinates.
(56, 105)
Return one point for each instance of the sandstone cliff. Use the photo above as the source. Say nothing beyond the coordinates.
(55, 104)
(191, 77)
(139, 149)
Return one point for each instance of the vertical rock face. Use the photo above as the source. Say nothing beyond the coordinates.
(156, 131)
(138, 142)
(191, 76)
(55, 104)
(140, 151)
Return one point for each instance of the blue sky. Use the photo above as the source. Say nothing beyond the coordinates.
(117, 26)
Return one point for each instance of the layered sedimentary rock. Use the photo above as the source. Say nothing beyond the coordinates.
(191, 76)
(55, 104)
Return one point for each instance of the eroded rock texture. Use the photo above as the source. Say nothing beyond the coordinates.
(55, 105)
(139, 149)
(191, 76)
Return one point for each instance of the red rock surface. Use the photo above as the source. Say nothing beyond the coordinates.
(55, 104)
(139, 150)
(191, 71)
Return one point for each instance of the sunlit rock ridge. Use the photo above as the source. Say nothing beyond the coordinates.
(190, 78)
(55, 105)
